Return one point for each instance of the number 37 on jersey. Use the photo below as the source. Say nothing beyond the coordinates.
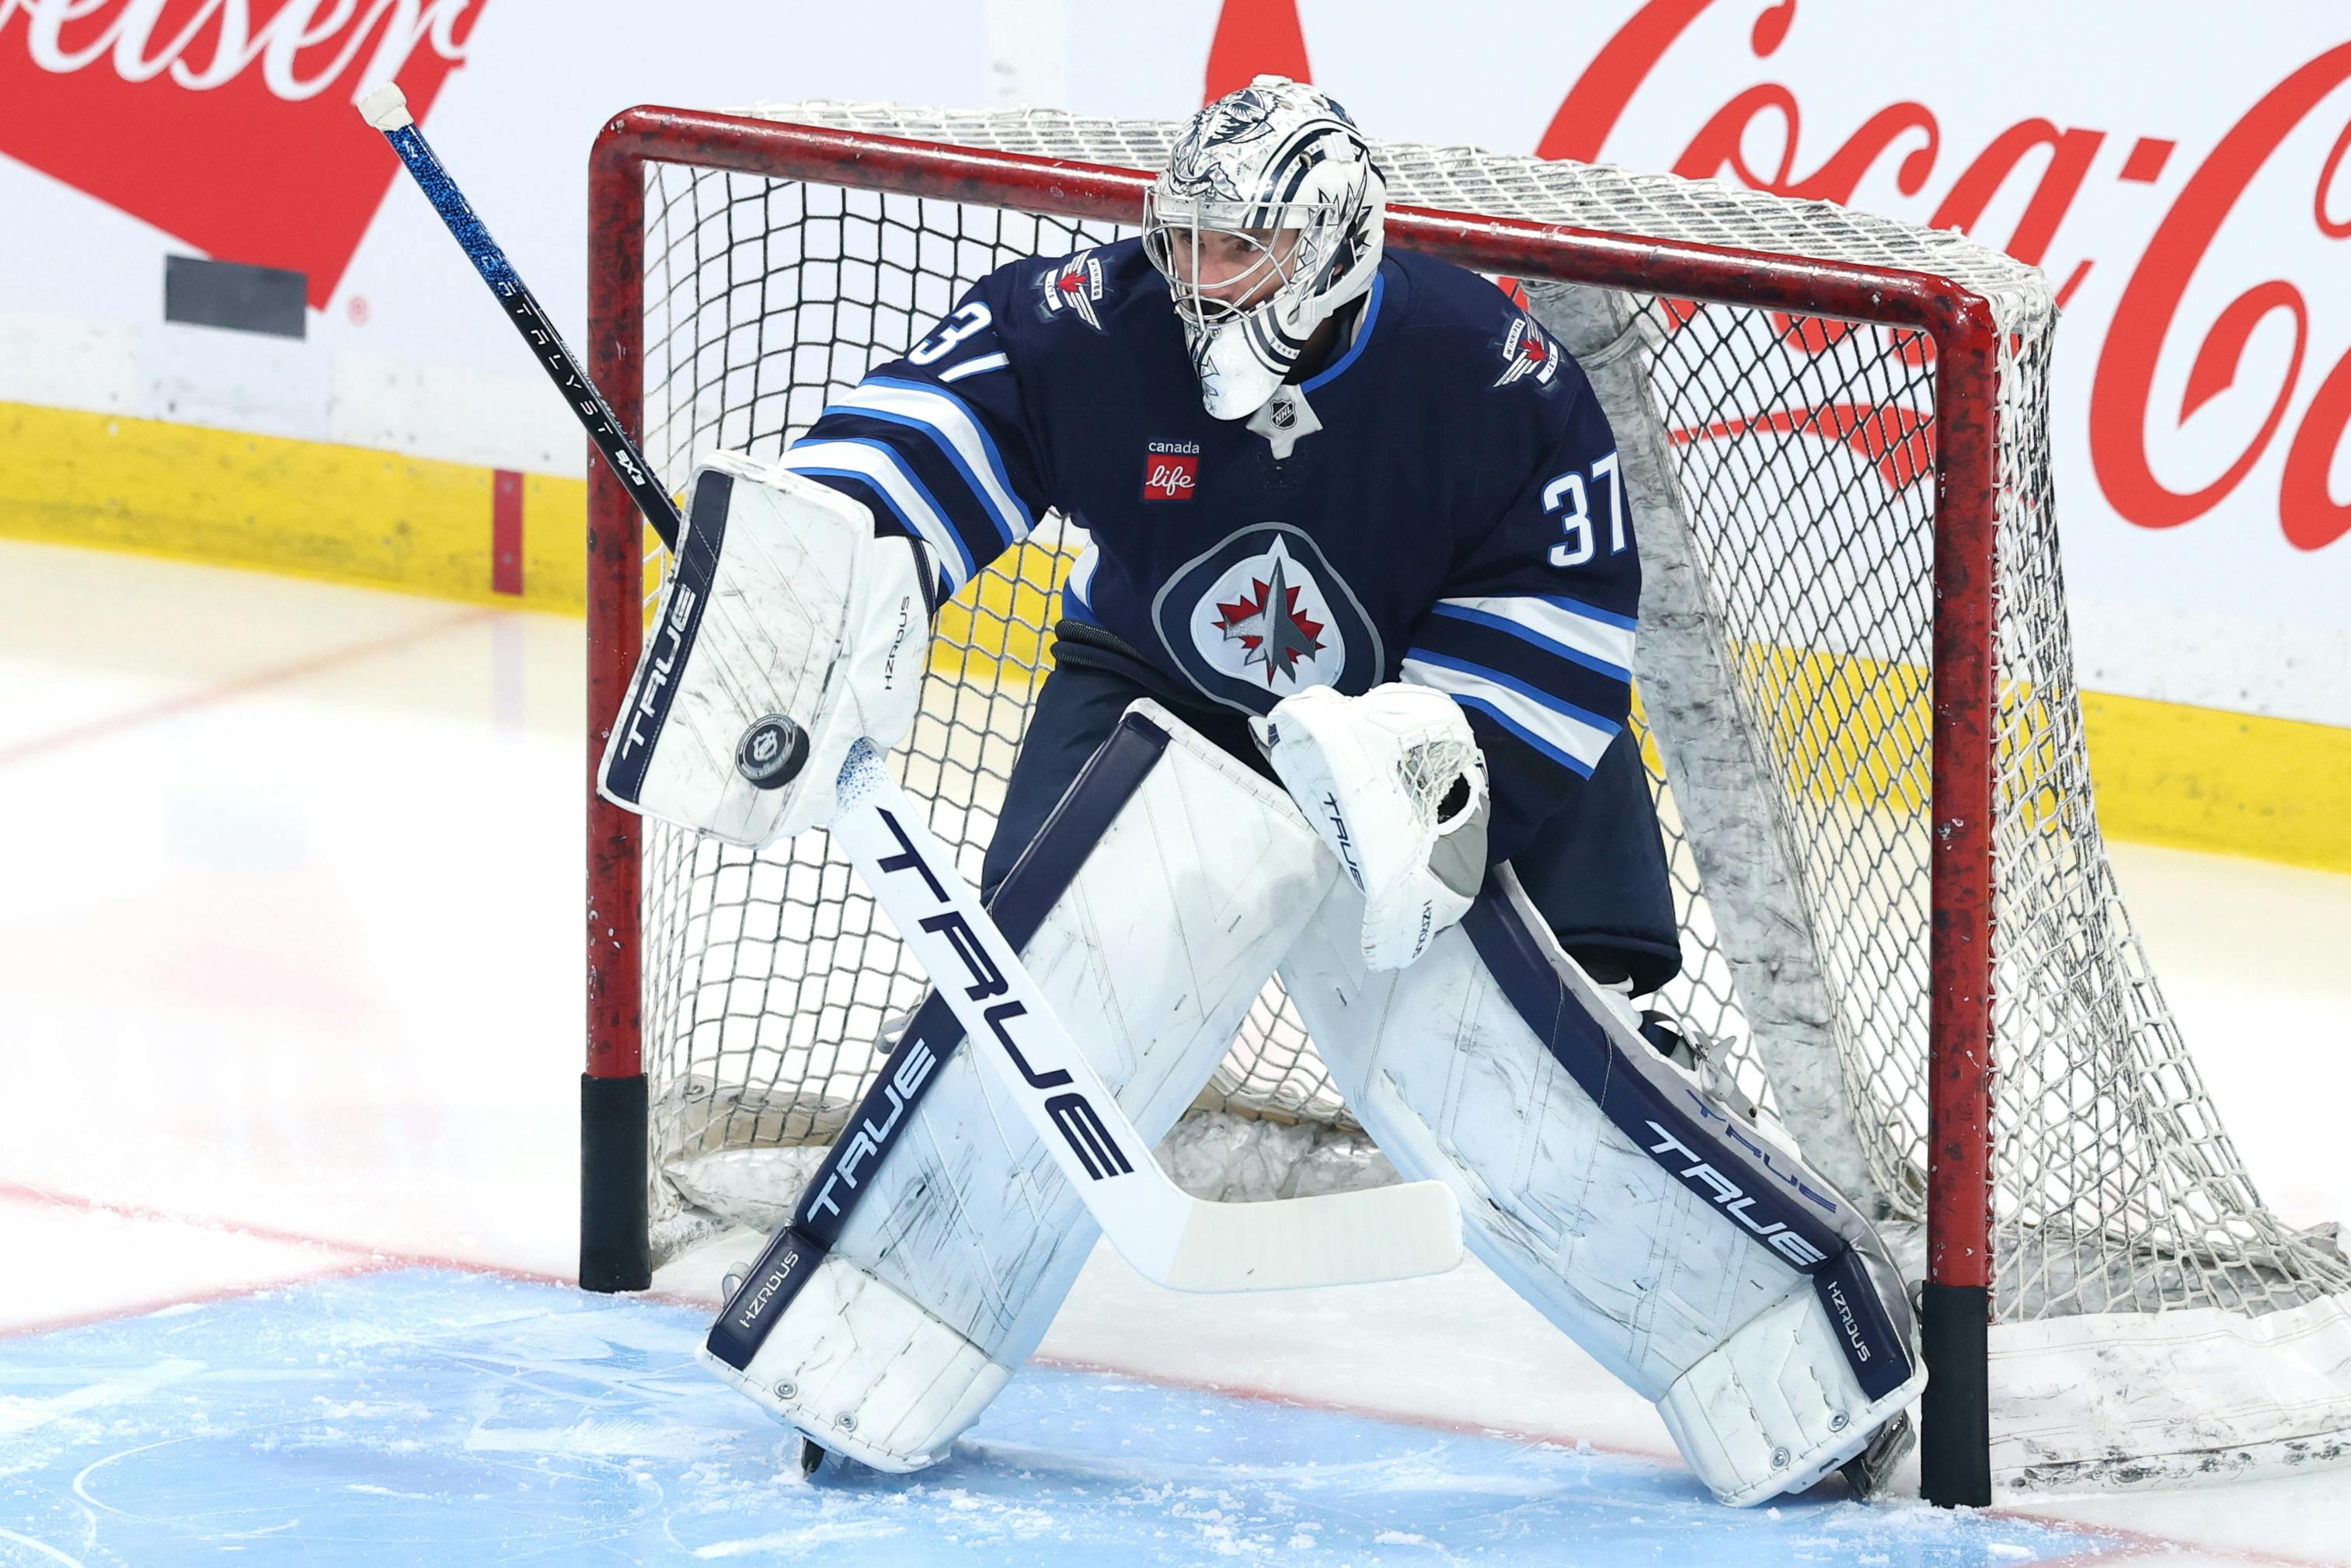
(1572, 497)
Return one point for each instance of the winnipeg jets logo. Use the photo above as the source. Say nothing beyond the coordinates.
(1264, 614)
(1527, 352)
(1266, 617)
(1273, 632)
(1075, 287)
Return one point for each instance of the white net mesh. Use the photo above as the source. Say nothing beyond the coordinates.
(1787, 532)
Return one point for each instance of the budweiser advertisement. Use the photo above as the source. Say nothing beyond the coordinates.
(2184, 179)
(225, 124)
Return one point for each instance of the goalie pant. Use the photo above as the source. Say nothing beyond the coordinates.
(1699, 1262)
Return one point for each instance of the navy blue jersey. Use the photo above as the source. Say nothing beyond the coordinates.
(1457, 520)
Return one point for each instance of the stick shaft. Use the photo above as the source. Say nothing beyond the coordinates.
(1005, 1016)
(522, 308)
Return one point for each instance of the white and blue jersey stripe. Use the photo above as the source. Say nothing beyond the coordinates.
(1581, 634)
(928, 457)
(1554, 673)
(878, 474)
(1077, 593)
(950, 425)
(1574, 737)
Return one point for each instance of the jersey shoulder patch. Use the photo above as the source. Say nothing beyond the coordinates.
(1472, 330)
(1089, 287)
(1073, 289)
(1526, 351)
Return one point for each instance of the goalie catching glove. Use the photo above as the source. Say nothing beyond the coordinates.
(1393, 783)
(786, 631)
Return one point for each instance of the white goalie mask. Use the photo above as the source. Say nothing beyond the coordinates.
(1269, 185)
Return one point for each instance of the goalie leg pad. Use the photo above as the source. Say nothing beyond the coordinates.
(787, 631)
(1163, 935)
(863, 1371)
(1766, 1412)
(1692, 1256)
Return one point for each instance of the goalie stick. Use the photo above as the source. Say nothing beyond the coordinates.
(1168, 1235)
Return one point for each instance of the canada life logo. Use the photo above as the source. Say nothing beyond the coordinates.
(1171, 470)
(225, 124)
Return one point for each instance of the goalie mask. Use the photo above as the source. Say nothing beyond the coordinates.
(1267, 219)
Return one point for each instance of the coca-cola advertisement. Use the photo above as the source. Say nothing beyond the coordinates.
(2186, 207)
(2184, 179)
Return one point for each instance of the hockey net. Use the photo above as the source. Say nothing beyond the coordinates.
(1785, 456)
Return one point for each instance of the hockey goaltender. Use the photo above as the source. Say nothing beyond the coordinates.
(1362, 561)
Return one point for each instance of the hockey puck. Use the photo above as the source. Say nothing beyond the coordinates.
(773, 751)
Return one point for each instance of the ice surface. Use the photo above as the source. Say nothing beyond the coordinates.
(426, 1416)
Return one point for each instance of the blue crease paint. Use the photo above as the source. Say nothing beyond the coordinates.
(430, 1417)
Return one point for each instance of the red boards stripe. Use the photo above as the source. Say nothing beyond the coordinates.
(505, 533)
(1253, 37)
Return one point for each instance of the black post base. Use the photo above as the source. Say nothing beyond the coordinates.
(616, 1250)
(1954, 1434)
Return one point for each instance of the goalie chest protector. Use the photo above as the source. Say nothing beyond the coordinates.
(1249, 577)
(1446, 511)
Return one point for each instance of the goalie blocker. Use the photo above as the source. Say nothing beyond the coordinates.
(1695, 1257)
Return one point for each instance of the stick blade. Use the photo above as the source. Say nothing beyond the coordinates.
(1341, 1239)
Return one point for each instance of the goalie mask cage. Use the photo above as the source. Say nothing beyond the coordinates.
(1901, 932)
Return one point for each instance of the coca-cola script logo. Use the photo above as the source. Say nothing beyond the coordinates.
(2145, 324)
(226, 123)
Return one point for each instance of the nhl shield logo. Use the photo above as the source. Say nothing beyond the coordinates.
(1074, 288)
(1264, 614)
(1527, 352)
(772, 752)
